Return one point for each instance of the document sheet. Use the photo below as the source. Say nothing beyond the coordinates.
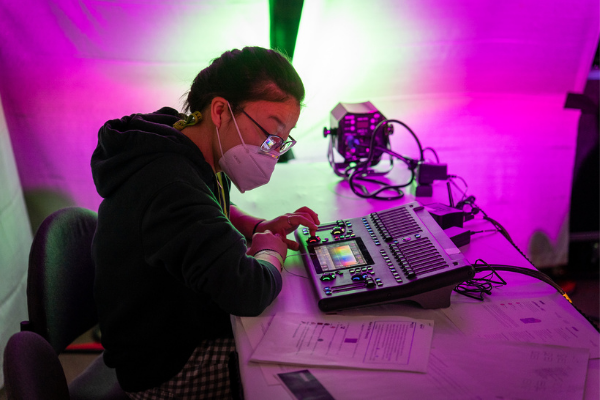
(364, 342)
(462, 368)
(517, 370)
(540, 320)
(459, 368)
(255, 328)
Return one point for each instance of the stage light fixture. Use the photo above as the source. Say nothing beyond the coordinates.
(352, 132)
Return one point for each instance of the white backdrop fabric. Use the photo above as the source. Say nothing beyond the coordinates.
(15, 240)
(482, 82)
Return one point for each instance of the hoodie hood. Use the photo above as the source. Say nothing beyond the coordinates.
(128, 144)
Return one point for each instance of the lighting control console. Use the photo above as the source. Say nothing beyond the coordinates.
(392, 255)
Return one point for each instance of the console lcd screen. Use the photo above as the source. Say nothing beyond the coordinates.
(340, 255)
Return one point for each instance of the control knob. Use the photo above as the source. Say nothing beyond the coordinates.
(338, 230)
(313, 239)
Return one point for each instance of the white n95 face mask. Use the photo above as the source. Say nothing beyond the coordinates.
(246, 165)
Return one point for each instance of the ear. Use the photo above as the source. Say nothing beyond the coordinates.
(218, 110)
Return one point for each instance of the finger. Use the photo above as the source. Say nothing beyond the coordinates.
(304, 220)
(300, 218)
(307, 211)
(292, 245)
(314, 215)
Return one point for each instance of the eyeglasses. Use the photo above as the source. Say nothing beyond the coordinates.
(274, 144)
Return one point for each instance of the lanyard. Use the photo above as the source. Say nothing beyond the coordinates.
(221, 194)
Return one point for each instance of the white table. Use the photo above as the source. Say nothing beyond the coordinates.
(315, 185)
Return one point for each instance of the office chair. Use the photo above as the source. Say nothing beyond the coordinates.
(60, 297)
(32, 370)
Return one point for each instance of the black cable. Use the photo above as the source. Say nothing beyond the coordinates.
(387, 121)
(504, 233)
(410, 163)
(361, 171)
(539, 275)
(358, 173)
(464, 193)
(502, 230)
(375, 194)
(470, 200)
(475, 287)
(521, 270)
(350, 166)
(512, 268)
(290, 272)
(437, 159)
(485, 230)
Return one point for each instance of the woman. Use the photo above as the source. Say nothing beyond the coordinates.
(170, 250)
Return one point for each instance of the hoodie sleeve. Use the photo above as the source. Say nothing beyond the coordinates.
(184, 231)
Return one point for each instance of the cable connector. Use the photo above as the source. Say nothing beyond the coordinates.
(429, 172)
(426, 173)
(445, 216)
(459, 236)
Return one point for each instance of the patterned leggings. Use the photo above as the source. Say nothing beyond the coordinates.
(204, 376)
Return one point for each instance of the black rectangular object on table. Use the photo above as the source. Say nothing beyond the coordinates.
(304, 385)
(392, 255)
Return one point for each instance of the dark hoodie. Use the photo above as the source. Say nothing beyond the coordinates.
(170, 267)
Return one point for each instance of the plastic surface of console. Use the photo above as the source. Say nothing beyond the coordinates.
(392, 255)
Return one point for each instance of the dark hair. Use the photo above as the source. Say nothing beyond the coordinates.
(250, 74)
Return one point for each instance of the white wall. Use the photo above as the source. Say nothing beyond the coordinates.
(15, 240)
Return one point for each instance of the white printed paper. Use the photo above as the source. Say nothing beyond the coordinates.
(539, 320)
(516, 370)
(365, 342)
(255, 328)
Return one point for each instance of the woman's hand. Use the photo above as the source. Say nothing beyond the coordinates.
(288, 223)
(268, 240)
